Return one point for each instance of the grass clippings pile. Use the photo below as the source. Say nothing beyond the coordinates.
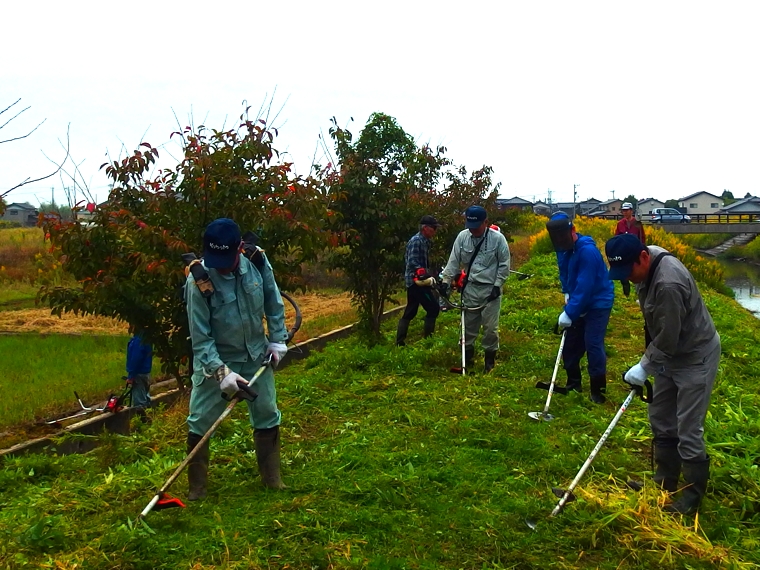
(392, 462)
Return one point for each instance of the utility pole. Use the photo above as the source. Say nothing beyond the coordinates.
(575, 197)
(613, 194)
(549, 195)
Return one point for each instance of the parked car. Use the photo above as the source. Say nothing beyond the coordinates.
(668, 216)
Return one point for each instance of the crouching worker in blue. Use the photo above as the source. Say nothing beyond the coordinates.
(588, 302)
(229, 345)
(139, 364)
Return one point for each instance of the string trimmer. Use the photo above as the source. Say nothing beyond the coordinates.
(161, 500)
(566, 495)
(545, 415)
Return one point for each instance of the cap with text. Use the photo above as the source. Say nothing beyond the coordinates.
(221, 242)
(475, 215)
(622, 252)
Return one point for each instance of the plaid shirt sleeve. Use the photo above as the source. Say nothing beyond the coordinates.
(416, 257)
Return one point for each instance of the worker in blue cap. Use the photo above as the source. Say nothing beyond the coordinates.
(229, 346)
(483, 254)
(682, 353)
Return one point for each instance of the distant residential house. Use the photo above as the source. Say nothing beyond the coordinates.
(608, 208)
(570, 208)
(513, 204)
(749, 205)
(22, 212)
(542, 209)
(644, 207)
(588, 206)
(701, 203)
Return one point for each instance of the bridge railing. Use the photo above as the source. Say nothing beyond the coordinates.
(697, 218)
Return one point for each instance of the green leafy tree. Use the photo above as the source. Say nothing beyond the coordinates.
(127, 258)
(671, 203)
(383, 185)
(727, 197)
(460, 190)
(380, 189)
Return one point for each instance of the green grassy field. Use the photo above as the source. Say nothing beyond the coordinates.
(38, 374)
(392, 462)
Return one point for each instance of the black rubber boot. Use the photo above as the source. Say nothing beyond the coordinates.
(695, 475)
(197, 469)
(401, 332)
(490, 360)
(428, 327)
(668, 464)
(573, 379)
(598, 385)
(268, 456)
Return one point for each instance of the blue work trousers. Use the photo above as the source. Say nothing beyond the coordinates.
(586, 336)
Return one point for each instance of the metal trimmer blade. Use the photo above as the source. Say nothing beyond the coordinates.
(540, 416)
(532, 523)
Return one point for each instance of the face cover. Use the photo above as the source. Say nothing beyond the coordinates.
(561, 234)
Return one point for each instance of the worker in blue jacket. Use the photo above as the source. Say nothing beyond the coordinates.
(139, 363)
(588, 302)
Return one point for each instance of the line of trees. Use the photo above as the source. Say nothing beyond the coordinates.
(356, 212)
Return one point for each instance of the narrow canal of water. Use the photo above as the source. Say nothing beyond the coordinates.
(744, 279)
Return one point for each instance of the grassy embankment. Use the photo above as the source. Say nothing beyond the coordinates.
(395, 463)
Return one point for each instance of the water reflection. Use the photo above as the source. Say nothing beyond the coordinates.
(744, 279)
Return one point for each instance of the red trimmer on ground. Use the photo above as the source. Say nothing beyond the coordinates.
(566, 495)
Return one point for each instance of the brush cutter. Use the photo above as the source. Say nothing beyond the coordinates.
(548, 386)
(566, 495)
(443, 293)
(161, 500)
(545, 415)
(113, 404)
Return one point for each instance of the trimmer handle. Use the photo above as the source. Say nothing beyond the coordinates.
(640, 390)
(245, 392)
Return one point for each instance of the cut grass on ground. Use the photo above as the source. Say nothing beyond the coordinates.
(392, 463)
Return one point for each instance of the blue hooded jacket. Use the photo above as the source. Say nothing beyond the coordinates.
(139, 357)
(583, 275)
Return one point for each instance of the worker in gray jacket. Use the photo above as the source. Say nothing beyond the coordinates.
(483, 254)
(682, 353)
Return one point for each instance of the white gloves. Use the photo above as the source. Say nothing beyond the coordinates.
(636, 376)
(277, 350)
(564, 321)
(229, 384)
(567, 298)
(429, 282)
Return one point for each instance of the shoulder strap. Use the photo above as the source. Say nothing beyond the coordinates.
(475, 253)
(654, 266)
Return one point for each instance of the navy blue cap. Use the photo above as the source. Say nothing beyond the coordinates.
(622, 252)
(221, 243)
(475, 215)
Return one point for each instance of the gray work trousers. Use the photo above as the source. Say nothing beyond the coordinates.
(680, 401)
(475, 295)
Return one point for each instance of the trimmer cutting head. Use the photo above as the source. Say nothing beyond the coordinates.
(540, 416)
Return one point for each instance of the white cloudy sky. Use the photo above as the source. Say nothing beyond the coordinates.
(645, 98)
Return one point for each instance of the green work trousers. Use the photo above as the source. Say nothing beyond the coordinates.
(207, 404)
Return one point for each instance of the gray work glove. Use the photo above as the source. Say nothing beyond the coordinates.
(229, 384)
(278, 350)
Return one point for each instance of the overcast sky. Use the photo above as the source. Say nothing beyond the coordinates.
(645, 98)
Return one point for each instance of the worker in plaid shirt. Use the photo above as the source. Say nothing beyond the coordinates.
(418, 281)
